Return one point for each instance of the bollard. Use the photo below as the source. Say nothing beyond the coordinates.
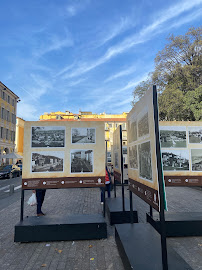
(11, 189)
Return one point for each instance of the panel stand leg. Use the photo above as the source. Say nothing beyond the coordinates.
(163, 240)
(114, 188)
(123, 199)
(22, 205)
(104, 205)
(151, 211)
(131, 208)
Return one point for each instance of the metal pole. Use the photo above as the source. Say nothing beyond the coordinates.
(122, 183)
(131, 207)
(151, 211)
(22, 204)
(114, 187)
(160, 182)
(11, 191)
(104, 206)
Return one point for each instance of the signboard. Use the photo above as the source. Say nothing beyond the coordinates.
(62, 154)
(143, 171)
(117, 153)
(181, 147)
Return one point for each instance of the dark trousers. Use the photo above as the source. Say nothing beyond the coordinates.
(40, 194)
(108, 189)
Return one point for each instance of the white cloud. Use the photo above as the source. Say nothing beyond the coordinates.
(144, 35)
(54, 43)
(122, 73)
(27, 111)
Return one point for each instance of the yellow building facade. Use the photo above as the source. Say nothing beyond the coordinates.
(112, 121)
(8, 106)
(19, 138)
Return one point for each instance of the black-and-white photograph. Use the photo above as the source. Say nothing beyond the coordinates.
(48, 136)
(81, 161)
(196, 159)
(143, 126)
(175, 160)
(83, 135)
(195, 134)
(132, 131)
(145, 166)
(133, 162)
(47, 161)
(116, 160)
(174, 137)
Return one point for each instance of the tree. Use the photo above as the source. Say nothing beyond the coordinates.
(178, 76)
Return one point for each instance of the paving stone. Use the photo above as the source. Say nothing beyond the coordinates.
(78, 255)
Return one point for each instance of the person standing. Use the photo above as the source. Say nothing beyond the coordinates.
(107, 185)
(40, 195)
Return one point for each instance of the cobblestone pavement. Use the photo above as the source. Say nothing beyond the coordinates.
(87, 255)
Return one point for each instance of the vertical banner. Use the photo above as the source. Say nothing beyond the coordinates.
(143, 170)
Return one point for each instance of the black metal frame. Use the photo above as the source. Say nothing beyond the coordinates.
(161, 184)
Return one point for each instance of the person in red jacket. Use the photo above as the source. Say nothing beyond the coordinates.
(107, 185)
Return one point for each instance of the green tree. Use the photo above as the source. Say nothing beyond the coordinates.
(178, 76)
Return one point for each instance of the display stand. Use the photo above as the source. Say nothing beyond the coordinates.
(178, 224)
(118, 208)
(140, 246)
(57, 228)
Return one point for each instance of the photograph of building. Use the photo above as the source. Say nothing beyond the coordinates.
(173, 137)
(196, 159)
(47, 161)
(50, 136)
(132, 131)
(116, 160)
(143, 126)
(83, 135)
(195, 134)
(145, 166)
(81, 161)
(175, 160)
(133, 162)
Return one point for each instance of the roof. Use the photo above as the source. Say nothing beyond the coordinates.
(88, 120)
(9, 90)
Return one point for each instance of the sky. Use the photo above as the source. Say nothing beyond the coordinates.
(86, 55)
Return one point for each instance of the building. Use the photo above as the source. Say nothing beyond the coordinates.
(112, 121)
(8, 103)
(19, 137)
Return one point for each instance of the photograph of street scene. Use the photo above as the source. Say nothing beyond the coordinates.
(143, 126)
(145, 166)
(83, 135)
(173, 137)
(133, 162)
(116, 159)
(132, 131)
(47, 161)
(48, 136)
(81, 161)
(175, 160)
(195, 134)
(196, 159)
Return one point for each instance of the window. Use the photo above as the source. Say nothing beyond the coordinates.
(8, 116)
(13, 118)
(8, 99)
(13, 102)
(2, 113)
(13, 135)
(6, 134)
(3, 95)
(2, 130)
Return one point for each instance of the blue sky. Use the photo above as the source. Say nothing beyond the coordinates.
(90, 54)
